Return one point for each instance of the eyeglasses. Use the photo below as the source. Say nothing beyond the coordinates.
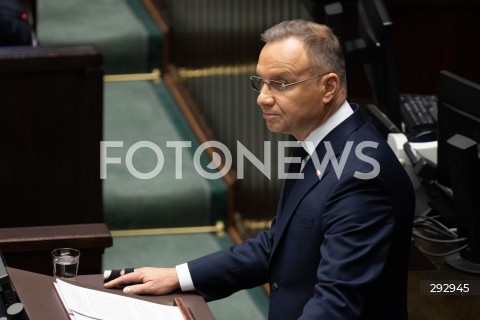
(257, 83)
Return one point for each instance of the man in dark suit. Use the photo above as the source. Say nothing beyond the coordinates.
(338, 246)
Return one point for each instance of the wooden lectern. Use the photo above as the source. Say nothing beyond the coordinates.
(40, 299)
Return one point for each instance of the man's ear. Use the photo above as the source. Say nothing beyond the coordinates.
(331, 87)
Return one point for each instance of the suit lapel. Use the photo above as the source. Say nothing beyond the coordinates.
(337, 139)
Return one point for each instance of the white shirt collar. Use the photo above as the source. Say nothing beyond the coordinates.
(313, 139)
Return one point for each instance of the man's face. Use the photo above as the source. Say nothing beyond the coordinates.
(299, 109)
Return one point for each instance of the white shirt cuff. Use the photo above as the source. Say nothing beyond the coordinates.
(184, 277)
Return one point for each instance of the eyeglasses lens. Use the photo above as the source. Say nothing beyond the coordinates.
(257, 83)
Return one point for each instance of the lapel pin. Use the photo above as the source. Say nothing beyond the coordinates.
(318, 173)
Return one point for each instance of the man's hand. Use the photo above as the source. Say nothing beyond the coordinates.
(155, 281)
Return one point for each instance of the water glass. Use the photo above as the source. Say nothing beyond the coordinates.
(65, 263)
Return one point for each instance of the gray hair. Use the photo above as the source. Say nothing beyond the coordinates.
(322, 46)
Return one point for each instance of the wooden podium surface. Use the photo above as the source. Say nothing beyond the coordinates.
(41, 302)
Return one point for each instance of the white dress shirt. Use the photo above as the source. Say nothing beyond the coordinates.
(316, 136)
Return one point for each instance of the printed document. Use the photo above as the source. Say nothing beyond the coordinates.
(87, 304)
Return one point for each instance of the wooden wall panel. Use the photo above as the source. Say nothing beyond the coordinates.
(51, 126)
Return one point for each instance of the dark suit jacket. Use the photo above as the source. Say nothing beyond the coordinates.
(338, 246)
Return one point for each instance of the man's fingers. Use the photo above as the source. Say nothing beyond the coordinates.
(136, 289)
(146, 281)
(146, 288)
(124, 279)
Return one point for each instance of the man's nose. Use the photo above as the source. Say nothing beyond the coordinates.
(265, 96)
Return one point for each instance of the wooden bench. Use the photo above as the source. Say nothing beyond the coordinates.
(29, 248)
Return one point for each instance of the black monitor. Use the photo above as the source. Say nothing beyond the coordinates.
(375, 50)
(458, 167)
(458, 113)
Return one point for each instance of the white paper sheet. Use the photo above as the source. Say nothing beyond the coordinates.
(87, 304)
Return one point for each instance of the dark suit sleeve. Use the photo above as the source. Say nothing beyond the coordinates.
(243, 266)
(358, 227)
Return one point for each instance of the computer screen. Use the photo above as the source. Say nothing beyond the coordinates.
(378, 56)
(458, 167)
(458, 113)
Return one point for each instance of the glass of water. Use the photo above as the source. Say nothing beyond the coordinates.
(65, 263)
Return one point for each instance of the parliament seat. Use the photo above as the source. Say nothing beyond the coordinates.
(51, 119)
